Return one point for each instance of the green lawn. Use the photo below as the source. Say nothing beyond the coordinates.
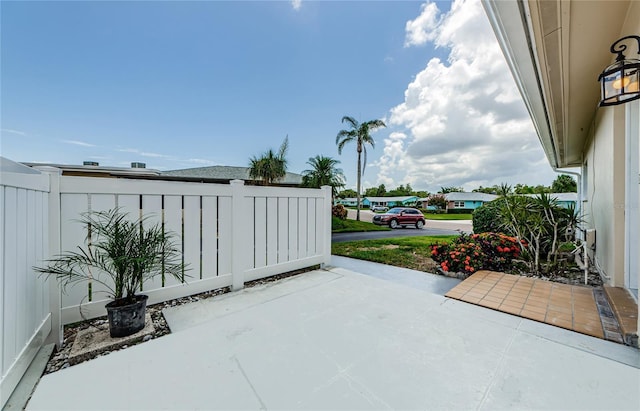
(352, 226)
(408, 252)
(447, 216)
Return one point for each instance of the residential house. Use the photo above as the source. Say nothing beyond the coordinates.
(389, 201)
(468, 201)
(347, 202)
(94, 169)
(556, 51)
(222, 174)
(565, 200)
(214, 174)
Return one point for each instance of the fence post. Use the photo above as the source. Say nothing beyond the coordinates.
(326, 231)
(55, 304)
(241, 226)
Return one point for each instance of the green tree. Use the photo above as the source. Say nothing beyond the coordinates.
(323, 172)
(360, 134)
(270, 167)
(564, 184)
(379, 191)
(401, 191)
(437, 200)
(526, 189)
(370, 192)
(348, 193)
(450, 189)
(487, 190)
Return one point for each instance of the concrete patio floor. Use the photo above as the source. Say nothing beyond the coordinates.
(338, 339)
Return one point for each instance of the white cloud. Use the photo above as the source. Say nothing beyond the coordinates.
(78, 143)
(296, 4)
(11, 131)
(200, 161)
(463, 122)
(421, 30)
(153, 155)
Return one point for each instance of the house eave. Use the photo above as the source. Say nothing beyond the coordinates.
(555, 50)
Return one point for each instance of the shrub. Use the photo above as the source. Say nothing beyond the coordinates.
(470, 253)
(339, 211)
(460, 211)
(486, 218)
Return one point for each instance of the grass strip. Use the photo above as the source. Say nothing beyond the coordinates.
(407, 252)
(353, 226)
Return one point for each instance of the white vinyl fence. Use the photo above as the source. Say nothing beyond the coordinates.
(228, 233)
(25, 318)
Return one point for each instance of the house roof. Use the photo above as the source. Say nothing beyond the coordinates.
(560, 196)
(101, 171)
(8, 166)
(387, 199)
(470, 197)
(555, 56)
(227, 173)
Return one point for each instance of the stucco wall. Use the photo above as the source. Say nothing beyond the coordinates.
(604, 206)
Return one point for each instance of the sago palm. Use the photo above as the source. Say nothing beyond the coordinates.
(360, 134)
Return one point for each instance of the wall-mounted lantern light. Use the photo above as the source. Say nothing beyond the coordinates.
(620, 82)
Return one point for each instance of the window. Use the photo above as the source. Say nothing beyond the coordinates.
(458, 204)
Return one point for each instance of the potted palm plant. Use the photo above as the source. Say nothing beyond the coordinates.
(120, 254)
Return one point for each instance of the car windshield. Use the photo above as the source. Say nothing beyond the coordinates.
(395, 211)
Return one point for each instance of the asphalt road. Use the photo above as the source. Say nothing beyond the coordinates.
(432, 227)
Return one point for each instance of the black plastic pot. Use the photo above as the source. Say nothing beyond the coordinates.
(126, 319)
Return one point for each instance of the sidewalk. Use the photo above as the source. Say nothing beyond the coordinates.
(338, 339)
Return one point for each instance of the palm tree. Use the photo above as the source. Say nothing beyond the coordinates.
(359, 132)
(323, 173)
(270, 166)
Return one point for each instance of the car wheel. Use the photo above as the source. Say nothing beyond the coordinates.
(393, 224)
(419, 224)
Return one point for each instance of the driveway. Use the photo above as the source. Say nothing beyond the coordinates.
(338, 339)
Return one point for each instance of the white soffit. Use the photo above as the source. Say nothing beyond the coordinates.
(556, 50)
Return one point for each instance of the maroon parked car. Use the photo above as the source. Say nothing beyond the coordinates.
(400, 217)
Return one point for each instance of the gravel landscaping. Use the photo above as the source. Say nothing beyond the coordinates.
(60, 359)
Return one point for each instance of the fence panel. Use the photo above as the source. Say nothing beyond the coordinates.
(303, 227)
(279, 229)
(173, 224)
(283, 230)
(191, 236)
(260, 230)
(293, 228)
(225, 233)
(25, 319)
(209, 237)
(152, 212)
(98, 202)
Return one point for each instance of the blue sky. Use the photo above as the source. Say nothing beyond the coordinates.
(191, 84)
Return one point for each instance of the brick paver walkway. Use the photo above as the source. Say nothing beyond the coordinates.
(567, 306)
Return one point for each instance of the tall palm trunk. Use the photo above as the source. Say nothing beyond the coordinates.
(358, 181)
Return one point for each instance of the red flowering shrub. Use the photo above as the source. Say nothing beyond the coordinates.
(339, 211)
(470, 253)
